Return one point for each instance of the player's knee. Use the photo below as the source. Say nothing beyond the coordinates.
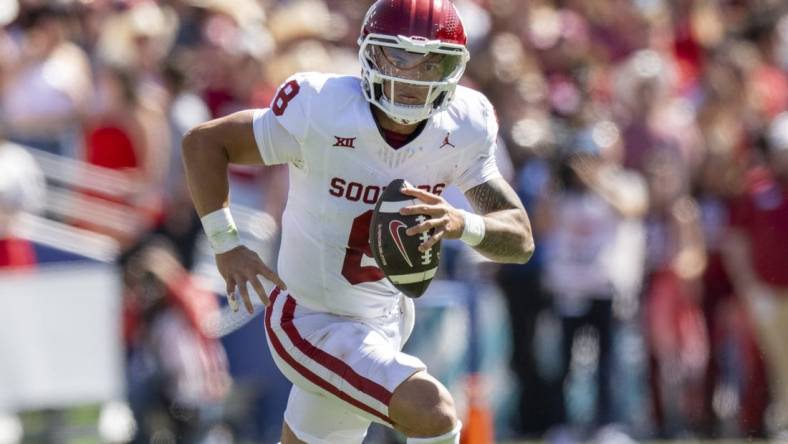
(422, 407)
(439, 418)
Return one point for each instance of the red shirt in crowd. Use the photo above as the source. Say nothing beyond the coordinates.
(110, 146)
(16, 253)
(762, 213)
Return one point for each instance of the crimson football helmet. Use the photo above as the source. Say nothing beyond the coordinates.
(412, 54)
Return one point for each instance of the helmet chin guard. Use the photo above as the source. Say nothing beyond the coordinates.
(423, 27)
(404, 114)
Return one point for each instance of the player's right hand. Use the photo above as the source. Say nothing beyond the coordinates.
(241, 265)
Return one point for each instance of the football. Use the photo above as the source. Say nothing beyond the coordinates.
(395, 252)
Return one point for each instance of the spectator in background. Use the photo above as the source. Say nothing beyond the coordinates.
(117, 137)
(186, 109)
(587, 213)
(643, 84)
(734, 394)
(756, 256)
(46, 83)
(723, 115)
(177, 374)
(675, 332)
(522, 286)
(131, 51)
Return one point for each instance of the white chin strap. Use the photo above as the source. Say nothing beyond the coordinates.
(453, 437)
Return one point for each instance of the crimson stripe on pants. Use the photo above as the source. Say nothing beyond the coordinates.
(308, 374)
(328, 361)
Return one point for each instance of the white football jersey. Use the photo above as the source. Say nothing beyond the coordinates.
(323, 127)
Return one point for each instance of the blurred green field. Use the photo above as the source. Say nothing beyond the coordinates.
(71, 426)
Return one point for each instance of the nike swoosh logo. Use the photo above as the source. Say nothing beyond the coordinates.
(394, 227)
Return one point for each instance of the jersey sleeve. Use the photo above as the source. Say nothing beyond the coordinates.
(275, 143)
(282, 129)
(478, 165)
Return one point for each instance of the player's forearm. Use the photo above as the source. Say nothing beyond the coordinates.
(205, 162)
(508, 237)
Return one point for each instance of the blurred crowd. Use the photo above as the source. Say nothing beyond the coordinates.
(648, 140)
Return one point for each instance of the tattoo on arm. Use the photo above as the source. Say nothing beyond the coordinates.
(508, 235)
(493, 195)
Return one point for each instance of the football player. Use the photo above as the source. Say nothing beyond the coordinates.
(335, 325)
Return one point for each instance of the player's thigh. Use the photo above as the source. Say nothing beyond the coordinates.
(315, 418)
(349, 361)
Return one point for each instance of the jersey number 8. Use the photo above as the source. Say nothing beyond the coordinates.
(286, 93)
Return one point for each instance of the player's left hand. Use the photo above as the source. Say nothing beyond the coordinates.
(447, 221)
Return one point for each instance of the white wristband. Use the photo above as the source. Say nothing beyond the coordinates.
(221, 230)
(473, 233)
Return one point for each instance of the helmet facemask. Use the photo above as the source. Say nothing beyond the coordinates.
(410, 78)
